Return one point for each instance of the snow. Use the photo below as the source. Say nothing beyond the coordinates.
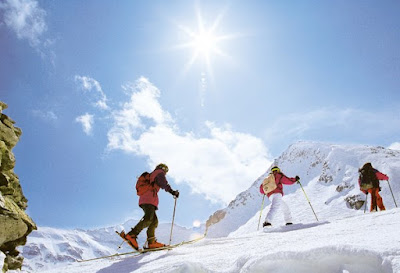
(48, 247)
(2, 256)
(363, 243)
(323, 168)
(345, 239)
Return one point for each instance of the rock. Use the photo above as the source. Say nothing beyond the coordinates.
(2, 106)
(355, 201)
(15, 224)
(7, 159)
(8, 133)
(216, 217)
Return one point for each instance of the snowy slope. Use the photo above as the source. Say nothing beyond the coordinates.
(329, 175)
(47, 247)
(367, 243)
(343, 240)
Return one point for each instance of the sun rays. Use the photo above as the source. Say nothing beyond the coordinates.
(205, 42)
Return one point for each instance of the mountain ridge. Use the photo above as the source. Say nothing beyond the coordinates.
(319, 165)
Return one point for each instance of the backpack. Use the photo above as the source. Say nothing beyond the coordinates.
(143, 184)
(269, 183)
(368, 179)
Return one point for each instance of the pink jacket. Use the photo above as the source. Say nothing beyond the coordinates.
(280, 179)
(160, 181)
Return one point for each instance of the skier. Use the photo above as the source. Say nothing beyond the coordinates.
(370, 177)
(149, 203)
(276, 196)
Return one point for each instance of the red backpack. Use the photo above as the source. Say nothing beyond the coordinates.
(143, 184)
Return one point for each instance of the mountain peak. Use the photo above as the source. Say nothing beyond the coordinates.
(329, 175)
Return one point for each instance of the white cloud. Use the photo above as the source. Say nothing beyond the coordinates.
(45, 115)
(87, 123)
(219, 165)
(88, 84)
(25, 18)
(348, 124)
(395, 146)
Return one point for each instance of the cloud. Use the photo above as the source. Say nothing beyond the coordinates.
(25, 18)
(88, 84)
(350, 125)
(87, 123)
(219, 165)
(48, 116)
(394, 146)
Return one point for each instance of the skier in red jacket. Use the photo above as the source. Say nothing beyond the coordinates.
(149, 203)
(369, 175)
(276, 197)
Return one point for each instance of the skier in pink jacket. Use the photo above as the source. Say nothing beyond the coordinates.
(276, 197)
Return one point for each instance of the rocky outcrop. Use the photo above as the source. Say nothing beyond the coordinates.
(15, 224)
(216, 217)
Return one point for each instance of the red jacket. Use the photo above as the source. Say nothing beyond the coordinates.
(160, 181)
(378, 175)
(280, 179)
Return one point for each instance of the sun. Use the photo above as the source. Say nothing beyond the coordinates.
(196, 223)
(205, 41)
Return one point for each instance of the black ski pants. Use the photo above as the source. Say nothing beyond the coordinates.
(149, 221)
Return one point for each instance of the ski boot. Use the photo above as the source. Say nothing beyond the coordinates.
(266, 224)
(155, 244)
(130, 240)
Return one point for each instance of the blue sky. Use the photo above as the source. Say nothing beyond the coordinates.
(104, 90)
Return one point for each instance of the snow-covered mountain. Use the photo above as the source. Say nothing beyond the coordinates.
(47, 246)
(366, 243)
(329, 176)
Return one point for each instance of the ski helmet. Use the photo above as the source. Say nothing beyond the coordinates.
(275, 168)
(163, 167)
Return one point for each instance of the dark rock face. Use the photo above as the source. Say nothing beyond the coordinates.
(15, 224)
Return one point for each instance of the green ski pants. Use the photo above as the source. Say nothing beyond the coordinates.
(149, 221)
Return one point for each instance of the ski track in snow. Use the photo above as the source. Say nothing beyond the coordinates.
(367, 243)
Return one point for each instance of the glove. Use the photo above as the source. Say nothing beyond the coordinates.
(297, 178)
(175, 194)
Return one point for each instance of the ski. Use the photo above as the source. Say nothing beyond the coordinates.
(111, 256)
(292, 227)
(139, 252)
(136, 252)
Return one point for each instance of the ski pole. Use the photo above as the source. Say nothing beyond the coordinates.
(172, 225)
(262, 206)
(120, 244)
(366, 198)
(308, 200)
(392, 193)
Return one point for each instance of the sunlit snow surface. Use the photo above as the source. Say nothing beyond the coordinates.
(343, 240)
(367, 243)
